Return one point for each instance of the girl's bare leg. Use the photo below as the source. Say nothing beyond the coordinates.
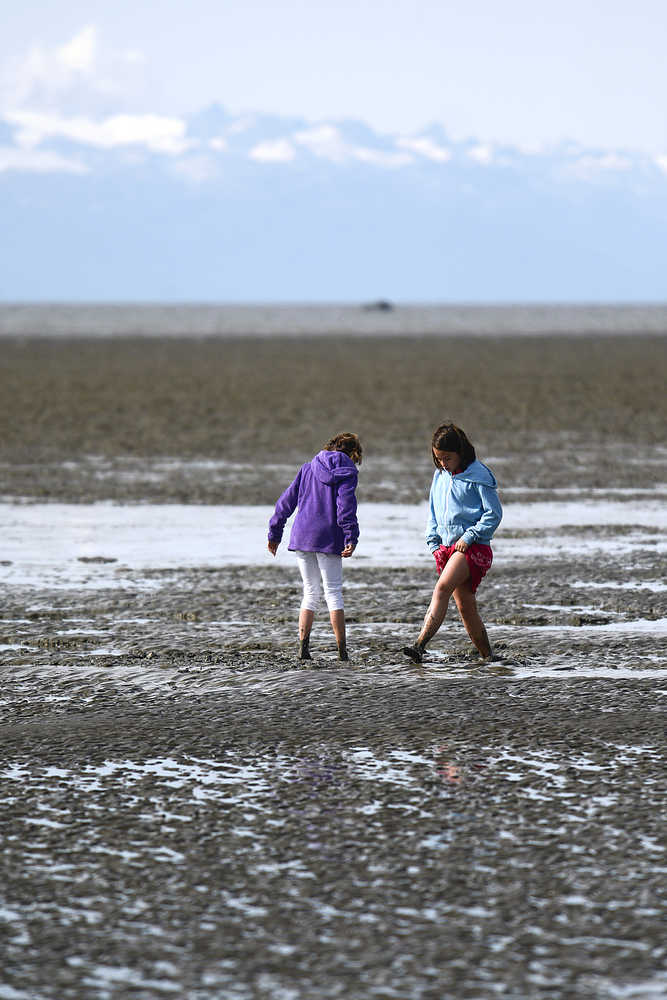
(454, 574)
(337, 619)
(466, 602)
(306, 618)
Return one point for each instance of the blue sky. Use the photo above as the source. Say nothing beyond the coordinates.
(531, 74)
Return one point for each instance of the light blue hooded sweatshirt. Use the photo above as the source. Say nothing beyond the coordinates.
(464, 505)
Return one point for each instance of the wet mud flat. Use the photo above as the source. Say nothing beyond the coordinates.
(189, 810)
(339, 833)
(227, 420)
(179, 627)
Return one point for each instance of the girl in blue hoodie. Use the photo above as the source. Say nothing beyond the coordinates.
(464, 512)
(325, 530)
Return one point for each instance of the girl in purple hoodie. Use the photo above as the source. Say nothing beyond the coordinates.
(325, 530)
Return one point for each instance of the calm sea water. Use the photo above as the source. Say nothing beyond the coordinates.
(319, 320)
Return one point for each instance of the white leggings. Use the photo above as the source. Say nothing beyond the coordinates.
(319, 568)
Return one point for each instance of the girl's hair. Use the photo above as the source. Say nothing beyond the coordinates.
(348, 443)
(449, 437)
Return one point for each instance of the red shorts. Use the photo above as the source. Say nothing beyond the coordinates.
(479, 558)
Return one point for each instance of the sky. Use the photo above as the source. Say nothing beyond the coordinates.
(522, 72)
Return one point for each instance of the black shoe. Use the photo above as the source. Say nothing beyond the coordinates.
(342, 654)
(416, 653)
(304, 651)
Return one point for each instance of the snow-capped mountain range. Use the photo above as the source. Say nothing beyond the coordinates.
(216, 206)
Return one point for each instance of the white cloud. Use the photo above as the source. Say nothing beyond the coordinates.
(79, 75)
(425, 147)
(481, 154)
(592, 165)
(381, 158)
(326, 142)
(531, 148)
(43, 75)
(218, 143)
(38, 161)
(78, 54)
(606, 161)
(154, 132)
(273, 151)
(661, 162)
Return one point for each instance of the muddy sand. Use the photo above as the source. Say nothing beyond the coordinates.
(332, 833)
(88, 419)
(189, 811)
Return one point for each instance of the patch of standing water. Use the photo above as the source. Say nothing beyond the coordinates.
(159, 549)
(655, 586)
(65, 545)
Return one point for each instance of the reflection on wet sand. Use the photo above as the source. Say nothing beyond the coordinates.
(445, 768)
(529, 875)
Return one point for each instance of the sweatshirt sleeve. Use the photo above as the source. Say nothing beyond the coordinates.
(285, 507)
(433, 539)
(491, 516)
(346, 510)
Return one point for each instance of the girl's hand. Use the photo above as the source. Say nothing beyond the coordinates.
(273, 547)
(461, 546)
(348, 550)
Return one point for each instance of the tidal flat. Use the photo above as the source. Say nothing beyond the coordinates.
(87, 419)
(189, 810)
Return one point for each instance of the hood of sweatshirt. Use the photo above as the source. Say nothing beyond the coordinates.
(477, 472)
(332, 467)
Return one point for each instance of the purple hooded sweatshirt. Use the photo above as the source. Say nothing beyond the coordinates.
(323, 492)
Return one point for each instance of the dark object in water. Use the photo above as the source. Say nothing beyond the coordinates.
(382, 305)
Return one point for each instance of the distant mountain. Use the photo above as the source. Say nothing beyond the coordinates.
(216, 207)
